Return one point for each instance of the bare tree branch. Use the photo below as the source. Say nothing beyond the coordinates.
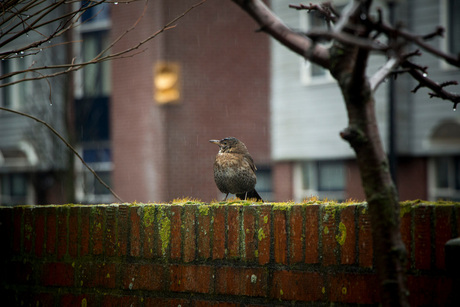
(272, 25)
(383, 73)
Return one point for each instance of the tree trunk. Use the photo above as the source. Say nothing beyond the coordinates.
(363, 135)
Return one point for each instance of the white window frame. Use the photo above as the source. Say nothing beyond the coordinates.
(16, 104)
(443, 21)
(300, 193)
(435, 193)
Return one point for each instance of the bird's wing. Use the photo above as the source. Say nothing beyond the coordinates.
(250, 161)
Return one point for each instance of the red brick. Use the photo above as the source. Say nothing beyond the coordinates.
(241, 281)
(144, 277)
(347, 235)
(422, 237)
(166, 302)
(28, 229)
(57, 274)
(366, 251)
(442, 232)
(17, 237)
(123, 229)
(430, 291)
(406, 234)
(189, 233)
(204, 232)
(150, 248)
(263, 234)
(191, 278)
(120, 301)
(249, 227)
(280, 236)
(218, 228)
(135, 232)
(297, 286)
(78, 300)
(74, 231)
(40, 213)
(312, 234)
(85, 213)
(353, 288)
(97, 230)
(111, 242)
(296, 237)
(328, 234)
(97, 275)
(62, 231)
(51, 236)
(163, 236)
(176, 232)
(233, 222)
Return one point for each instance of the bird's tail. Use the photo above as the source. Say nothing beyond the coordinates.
(250, 195)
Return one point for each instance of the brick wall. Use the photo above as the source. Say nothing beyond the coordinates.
(219, 255)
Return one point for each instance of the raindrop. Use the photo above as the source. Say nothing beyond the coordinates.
(455, 109)
(425, 75)
(22, 52)
(115, 3)
(363, 16)
(49, 42)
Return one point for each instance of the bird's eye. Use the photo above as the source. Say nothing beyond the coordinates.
(225, 143)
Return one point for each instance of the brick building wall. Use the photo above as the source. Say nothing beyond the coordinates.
(219, 255)
(161, 152)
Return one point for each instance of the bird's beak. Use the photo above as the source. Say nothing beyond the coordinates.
(217, 142)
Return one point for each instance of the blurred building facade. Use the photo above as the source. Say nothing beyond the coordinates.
(307, 114)
(143, 122)
(32, 160)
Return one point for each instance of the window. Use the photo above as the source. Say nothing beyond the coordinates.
(264, 183)
(310, 72)
(453, 26)
(14, 96)
(445, 178)
(92, 120)
(448, 18)
(96, 77)
(322, 179)
(89, 189)
(13, 189)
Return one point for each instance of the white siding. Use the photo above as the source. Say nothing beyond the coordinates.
(306, 119)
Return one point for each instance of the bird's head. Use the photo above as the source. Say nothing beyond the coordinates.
(230, 145)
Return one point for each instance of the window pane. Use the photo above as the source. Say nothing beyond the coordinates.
(18, 185)
(96, 76)
(442, 172)
(307, 175)
(331, 176)
(457, 172)
(96, 13)
(99, 189)
(454, 26)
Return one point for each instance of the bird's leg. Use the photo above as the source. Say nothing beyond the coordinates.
(226, 197)
(245, 195)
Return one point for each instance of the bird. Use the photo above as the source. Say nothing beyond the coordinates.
(234, 169)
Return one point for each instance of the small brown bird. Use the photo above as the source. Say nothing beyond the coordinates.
(234, 169)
